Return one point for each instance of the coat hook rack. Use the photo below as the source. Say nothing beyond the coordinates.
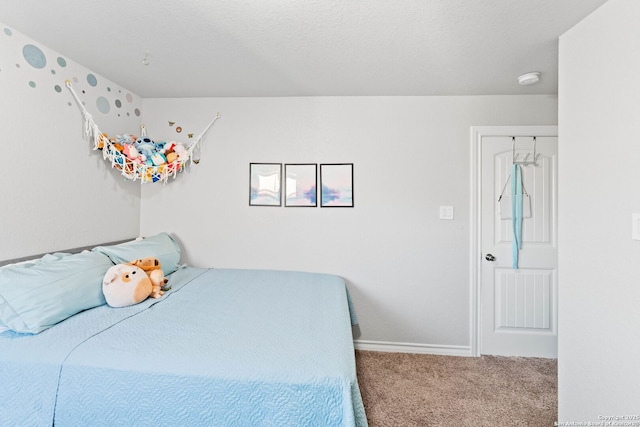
(528, 158)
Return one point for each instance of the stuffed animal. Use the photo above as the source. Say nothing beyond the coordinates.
(158, 159)
(146, 147)
(171, 156)
(181, 151)
(131, 152)
(125, 139)
(126, 284)
(168, 152)
(103, 139)
(153, 268)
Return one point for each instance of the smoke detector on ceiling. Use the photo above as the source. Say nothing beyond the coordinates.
(529, 78)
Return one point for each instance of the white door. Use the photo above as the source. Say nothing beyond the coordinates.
(518, 307)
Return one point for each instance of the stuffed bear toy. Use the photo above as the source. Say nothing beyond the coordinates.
(153, 268)
(171, 157)
(126, 284)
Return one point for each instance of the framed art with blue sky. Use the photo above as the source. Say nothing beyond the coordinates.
(336, 185)
(300, 184)
(265, 180)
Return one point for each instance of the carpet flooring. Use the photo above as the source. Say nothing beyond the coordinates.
(402, 389)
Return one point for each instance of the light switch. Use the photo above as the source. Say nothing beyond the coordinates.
(446, 212)
(635, 226)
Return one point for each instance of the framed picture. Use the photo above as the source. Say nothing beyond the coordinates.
(300, 184)
(265, 184)
(336, 185)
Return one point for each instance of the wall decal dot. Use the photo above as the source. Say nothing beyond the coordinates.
(17, 65)
(32, 83)
(34, 56)
(62, 62)
(103, 104)
(53, 71)
(137, 112)
(69, 104)
(118, 103)
(7, 31)
(129, 97)
(92, 80)
(57, 88)
(108, 89)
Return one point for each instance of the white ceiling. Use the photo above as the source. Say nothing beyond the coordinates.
(307, 47)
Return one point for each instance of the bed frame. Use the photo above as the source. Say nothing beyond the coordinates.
(72, 250)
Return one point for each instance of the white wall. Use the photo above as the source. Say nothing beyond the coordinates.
(599, 301)
(55, 192)
(408, 271)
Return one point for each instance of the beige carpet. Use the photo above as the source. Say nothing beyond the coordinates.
(400, 389)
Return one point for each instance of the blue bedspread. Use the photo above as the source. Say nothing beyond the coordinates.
(222, 348)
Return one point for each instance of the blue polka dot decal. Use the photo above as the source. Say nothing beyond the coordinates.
(41, 70)
(91, 79)
(34, 56)
(103, 105)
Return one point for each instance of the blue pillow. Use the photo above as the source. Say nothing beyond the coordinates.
(37, 295)
(161, 246)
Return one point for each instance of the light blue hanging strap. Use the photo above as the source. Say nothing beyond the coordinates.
(516, 212)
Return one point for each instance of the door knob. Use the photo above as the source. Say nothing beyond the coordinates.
(490, 257)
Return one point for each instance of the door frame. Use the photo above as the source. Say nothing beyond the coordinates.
(477, 133)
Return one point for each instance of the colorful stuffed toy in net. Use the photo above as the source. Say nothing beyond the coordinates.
(141, 157)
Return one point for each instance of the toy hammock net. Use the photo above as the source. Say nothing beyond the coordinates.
(141, 158)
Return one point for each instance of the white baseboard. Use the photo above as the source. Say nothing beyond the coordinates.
(400, 347)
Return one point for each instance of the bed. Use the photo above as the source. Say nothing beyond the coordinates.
(222, 347)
